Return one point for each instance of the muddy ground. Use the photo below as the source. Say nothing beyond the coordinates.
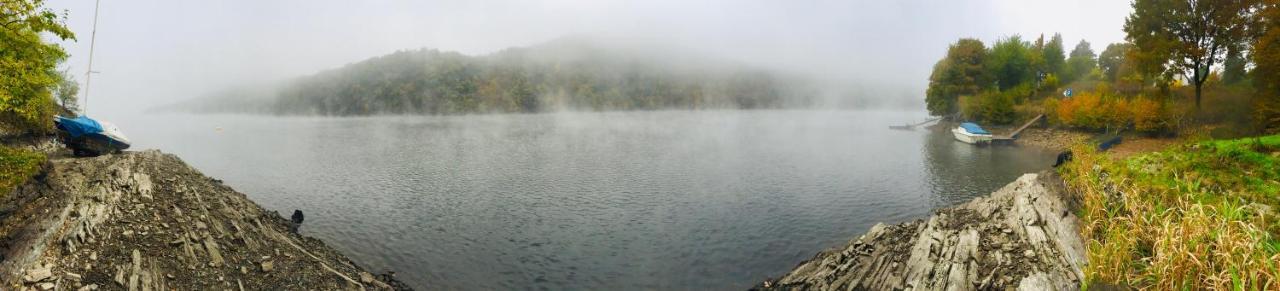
(1052, 138)
(148, 221)
(1023, 236)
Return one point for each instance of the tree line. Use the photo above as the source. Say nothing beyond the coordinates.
(566, 74)
(1176, 55)
(1009, 71)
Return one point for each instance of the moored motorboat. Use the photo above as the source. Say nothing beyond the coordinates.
(971, 133)
(88, 137)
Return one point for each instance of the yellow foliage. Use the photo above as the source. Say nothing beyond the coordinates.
(1096, 111)
(27, 64)
(1146, 114)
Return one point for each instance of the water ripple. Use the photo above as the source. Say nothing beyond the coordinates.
(642, 200)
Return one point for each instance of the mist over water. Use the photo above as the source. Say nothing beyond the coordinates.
(631, 200)
(564, 199)
(881, 53)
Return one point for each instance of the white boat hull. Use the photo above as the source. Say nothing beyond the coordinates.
(969, 138)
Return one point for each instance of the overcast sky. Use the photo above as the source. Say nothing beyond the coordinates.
(152, 52)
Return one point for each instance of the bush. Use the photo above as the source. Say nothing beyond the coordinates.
(1050, 106)
(969, 107)
(1148, 116)
(1096, 111)
(1266, 114)
(1019, 94)
(1051, 82)
(27, 114)
(997, 108)
(992, 106)
(16, 165)
(1082, 110)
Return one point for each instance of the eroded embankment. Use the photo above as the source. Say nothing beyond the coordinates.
(147, 221)
(1022, 236)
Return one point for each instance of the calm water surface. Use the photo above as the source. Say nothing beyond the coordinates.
(629, 200)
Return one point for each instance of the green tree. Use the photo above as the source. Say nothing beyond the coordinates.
(1011, 62)
(1112, 59)
(1266, 73)
(66, 92)
(1233, 67)
(1081, 62)
(993, 106)
(28, 64)
(1189, 37)
(960, 73)
(1054, 55)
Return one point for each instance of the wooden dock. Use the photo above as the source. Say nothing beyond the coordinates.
(1009, 138)
(913, 126)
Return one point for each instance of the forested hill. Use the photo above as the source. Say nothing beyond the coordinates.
(565, 74)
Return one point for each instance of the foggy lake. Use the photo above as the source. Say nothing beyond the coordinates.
(617, 200)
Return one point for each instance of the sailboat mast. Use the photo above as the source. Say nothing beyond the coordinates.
(88, 74)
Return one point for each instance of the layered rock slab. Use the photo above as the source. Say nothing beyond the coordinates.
(147, 221)
(1023, 236)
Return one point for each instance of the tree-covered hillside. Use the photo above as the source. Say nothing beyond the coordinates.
(565, 74)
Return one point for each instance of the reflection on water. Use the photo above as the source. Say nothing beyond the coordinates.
(958, 172)
(636, 200)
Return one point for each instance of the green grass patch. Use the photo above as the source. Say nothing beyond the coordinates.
(16, 166)
(1198, 216)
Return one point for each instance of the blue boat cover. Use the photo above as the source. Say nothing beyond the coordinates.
(973, 128)
(78, 126)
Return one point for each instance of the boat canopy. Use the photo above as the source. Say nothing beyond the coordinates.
(973, 128)
(78, 126)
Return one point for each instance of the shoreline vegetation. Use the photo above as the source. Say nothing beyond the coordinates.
(1197, 215)
(1188, 201)
(1164, 213)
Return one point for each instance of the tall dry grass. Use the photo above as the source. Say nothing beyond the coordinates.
(1192, 218)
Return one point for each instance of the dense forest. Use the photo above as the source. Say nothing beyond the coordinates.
(571, 74)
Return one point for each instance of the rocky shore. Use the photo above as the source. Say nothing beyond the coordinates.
(148, 221)
(1023, 236)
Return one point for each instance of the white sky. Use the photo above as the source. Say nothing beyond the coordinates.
(153, 52)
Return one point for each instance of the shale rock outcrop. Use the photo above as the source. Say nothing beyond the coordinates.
(147, 221)
(1023, 236)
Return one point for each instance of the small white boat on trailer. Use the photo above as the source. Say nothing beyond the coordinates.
(971, 133)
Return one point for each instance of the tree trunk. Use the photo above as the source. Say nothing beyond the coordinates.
(1199, 82)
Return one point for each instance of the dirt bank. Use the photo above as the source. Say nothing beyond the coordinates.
(1022, 236)
(147, 221)
(1063, 139)
(1060, 139)
(1052, 138)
